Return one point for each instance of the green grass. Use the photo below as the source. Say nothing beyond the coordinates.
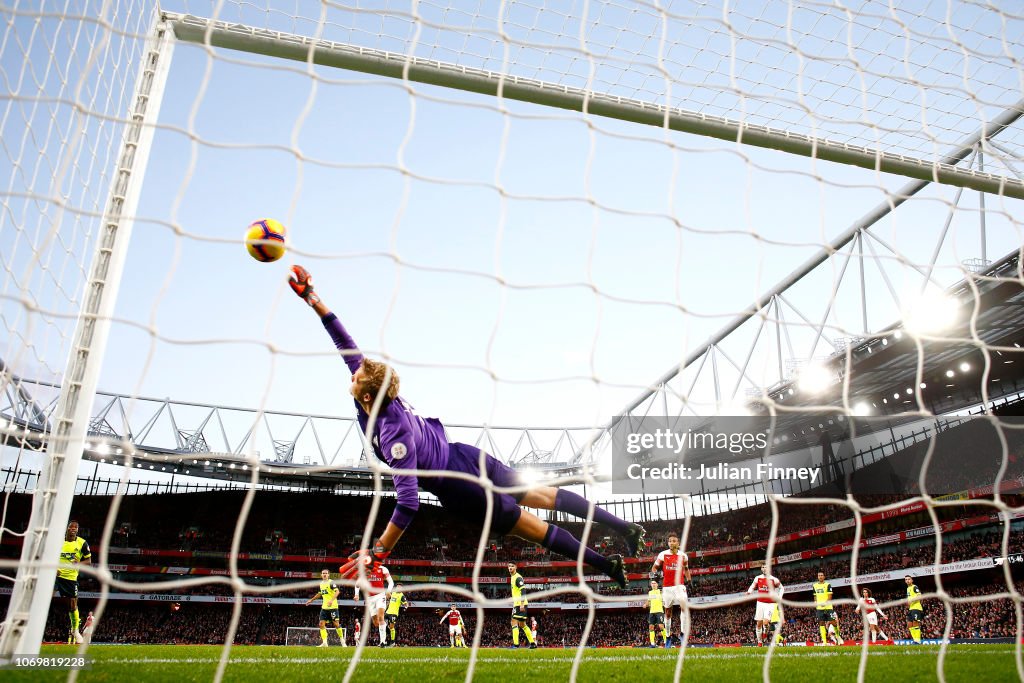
(137, 663)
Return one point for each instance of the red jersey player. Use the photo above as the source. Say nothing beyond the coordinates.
(675, 569)
(379, 578)
(454, 624)
(871, 613)
(768, 589)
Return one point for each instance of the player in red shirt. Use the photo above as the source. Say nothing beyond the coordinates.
(379, 578)
(675, 571)
(871, 613)
(454, 624)
(768, 590)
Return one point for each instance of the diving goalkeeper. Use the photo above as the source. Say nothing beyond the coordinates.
(405, 441)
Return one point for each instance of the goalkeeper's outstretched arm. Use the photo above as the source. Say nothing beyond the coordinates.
(301, 283)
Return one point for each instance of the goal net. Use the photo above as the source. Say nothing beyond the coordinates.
(300, 635)
(580, 233)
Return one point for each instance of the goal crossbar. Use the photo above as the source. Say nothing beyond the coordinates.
(245, 38)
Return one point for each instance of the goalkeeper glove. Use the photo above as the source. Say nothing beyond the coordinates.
(370, 559)
(301, 283)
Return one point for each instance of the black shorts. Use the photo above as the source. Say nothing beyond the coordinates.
(655, 619)
(519, 613)
(67, 588)
(328, 615)
(915, 615)
(826, 615)
(391, 618)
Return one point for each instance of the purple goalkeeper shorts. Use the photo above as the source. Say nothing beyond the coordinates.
(467, 499)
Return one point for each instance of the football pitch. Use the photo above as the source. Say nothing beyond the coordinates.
(284, 664)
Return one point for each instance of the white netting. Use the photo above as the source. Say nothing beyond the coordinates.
(519, 265)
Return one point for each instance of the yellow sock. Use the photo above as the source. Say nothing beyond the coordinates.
(323, 634)
(652, 636)
(529, 633)
(824, 634)
(515, 636)
(915, 633)
(391, 632)
(341, 635)
(778, 638)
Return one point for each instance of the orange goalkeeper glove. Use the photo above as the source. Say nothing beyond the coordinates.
(301, 283)
(369, 558)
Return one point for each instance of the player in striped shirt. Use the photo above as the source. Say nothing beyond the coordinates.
(768, 589)
(404, 440)
(674, 569)
(871, 612)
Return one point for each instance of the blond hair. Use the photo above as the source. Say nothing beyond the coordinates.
(376, 374)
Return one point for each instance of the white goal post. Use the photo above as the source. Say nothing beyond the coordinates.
(51, 505)
(310, 636)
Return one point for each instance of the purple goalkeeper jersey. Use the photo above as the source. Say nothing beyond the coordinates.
(401, 438)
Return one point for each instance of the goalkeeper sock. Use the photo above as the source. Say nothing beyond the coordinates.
(515, 636)
(391, 632)
(75, 621)
(915, 633)
(652, 636)
(562, 542)
(341, 635)
(578, 506)
(824, 634)
(323, 634)
(529, 634)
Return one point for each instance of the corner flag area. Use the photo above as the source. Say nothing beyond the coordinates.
(285, 664)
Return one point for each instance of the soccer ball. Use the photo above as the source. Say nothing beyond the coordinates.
(265, 240)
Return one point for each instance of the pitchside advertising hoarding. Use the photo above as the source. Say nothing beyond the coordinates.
(829, 453)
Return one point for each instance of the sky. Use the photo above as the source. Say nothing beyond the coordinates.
(519, 265)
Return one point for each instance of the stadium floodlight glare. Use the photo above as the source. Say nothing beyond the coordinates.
(949, 373)
(102, 449)
(814, 379)
(932, 312)
(964, 367)
(861, 409)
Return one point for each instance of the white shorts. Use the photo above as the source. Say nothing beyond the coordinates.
(455, 630)
(673, 595)
(764, 611)
(872, 618)
(377, 602)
